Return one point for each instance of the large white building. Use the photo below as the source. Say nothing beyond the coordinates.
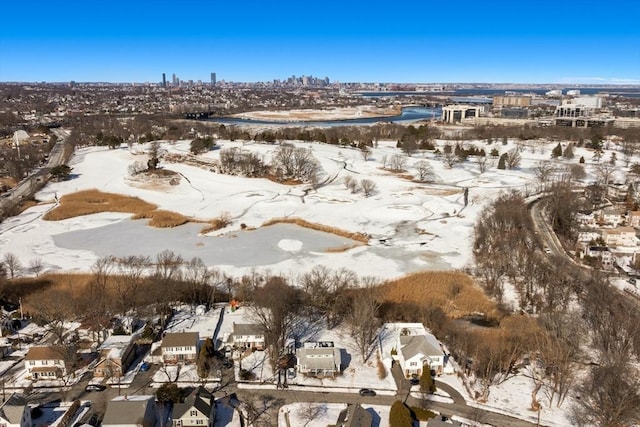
(457, 113)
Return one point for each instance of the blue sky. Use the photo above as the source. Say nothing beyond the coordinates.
(371, 41)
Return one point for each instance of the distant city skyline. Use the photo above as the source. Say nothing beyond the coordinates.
(406, 42)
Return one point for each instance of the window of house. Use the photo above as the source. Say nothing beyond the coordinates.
(193, 413)
(32, 362)
(199, 422)
(413, 364)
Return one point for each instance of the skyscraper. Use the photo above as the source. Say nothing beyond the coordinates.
(213, 79)
(164, 80)
(174, 80)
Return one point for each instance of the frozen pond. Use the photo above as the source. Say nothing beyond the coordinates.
(264, 246)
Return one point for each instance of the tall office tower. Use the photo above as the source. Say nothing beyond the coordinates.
(213, 79)
(174, 80)
(164, 80)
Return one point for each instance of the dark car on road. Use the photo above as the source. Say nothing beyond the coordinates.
(144, 367)
(95, 387)
(367, 392)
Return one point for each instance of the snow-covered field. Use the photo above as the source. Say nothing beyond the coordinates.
(424, 226)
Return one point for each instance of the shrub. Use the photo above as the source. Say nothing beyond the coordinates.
(422, 414)
(382, 370)
(400, 415)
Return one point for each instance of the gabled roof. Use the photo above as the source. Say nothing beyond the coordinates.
(127, 410)
(413, 345)
(200, 399)
(180, 339)
(320, 358)
(13, 408)
(45, 353)
(241, 329)
(355, 416)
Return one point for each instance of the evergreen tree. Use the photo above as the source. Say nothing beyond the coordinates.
(400, 415)
(427, 385)
(557, 151)
(568, 152)
(502, 163)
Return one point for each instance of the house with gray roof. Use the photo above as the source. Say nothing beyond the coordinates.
(131, 411)
(417, 348)
(355, 416)
(197, 410)
(319, 359)
(246, 335)
(15, 412)
(180, 347)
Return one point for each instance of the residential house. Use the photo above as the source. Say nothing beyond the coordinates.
(586, 236)
(247, 335)
(131, 411)
(355, 416)
(601, 252)
(115, 356)
(415, 348)
(198, 409)
(633, 219)
(181, 347)
(46, 362)
(319, 359)
(620, 236)
(610, 217)
(586, 219)
(14, 412)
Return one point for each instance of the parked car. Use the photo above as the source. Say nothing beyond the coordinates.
(632, 280)
(547, 250)
(144, 367)
(415, 381)
(367, 392)
(95, 387)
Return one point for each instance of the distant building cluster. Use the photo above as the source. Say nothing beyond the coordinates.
(177, 82)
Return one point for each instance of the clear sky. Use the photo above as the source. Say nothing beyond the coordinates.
(526, 41)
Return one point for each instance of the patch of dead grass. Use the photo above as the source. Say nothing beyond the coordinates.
(359, 237)
(454, 292)
(89, 202)
(162, 219)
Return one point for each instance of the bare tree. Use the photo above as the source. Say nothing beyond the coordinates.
(513, 158)
(276, 308)
(609, 396)
(481, 161)
(397, 162)
(36, 266)
(351, 183)
(362, 321)
(54, 308)
(425, 171)
(130, 273)
(365, 152)
(604, 172)
(311, 411)
(449, 156)
(368, 187)
(12, 264)
(542, 171)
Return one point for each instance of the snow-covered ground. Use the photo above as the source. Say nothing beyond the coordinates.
(423, 226)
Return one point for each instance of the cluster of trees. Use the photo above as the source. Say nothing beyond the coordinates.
(555, 341)
(202, 144)
(288, 162)
(366, 185)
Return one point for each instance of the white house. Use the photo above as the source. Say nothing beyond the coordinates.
(601, 252)
(198, 409)
(415, 348)
(620, 236)
(246, 335)
(46, 362)
(610, 217)
(633, 219)
(14, 412)
(181, 347)
(319, 359)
